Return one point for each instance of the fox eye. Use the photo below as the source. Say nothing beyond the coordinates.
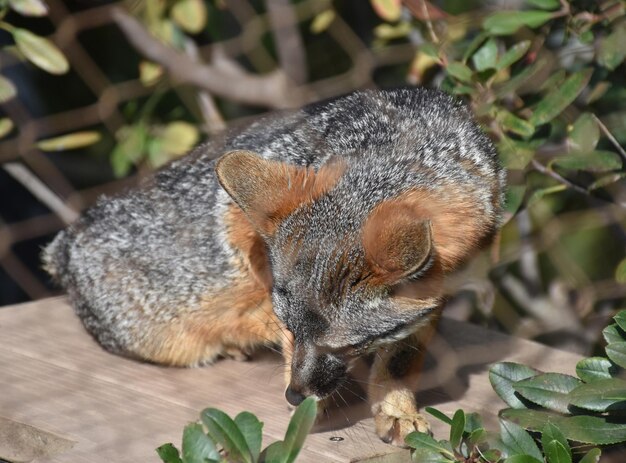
(281, 291)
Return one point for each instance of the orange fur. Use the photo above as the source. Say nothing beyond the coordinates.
(396, 240)
(239, 316)
(269, 191)
(243, 237)
(459, 227)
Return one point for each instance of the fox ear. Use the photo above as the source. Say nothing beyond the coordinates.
(268, 191)
(397, 241)
(251, 181)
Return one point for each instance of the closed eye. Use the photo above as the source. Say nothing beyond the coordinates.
(389, 335)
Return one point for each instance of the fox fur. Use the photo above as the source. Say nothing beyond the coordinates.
(327, 230)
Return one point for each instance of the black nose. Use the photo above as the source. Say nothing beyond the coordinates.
(295, 398)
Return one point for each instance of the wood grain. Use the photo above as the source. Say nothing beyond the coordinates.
(56, 378)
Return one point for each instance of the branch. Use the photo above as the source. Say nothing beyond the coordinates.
(40, 191)
(272, 90)
(212, 117)
(559, 178)
(610, 136)
(287, 40)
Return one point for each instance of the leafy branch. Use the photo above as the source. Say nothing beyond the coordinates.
(222, 439)
(546, 412)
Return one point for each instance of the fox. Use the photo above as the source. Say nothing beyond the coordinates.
(327, 231)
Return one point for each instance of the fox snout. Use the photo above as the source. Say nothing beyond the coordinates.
(314, 373)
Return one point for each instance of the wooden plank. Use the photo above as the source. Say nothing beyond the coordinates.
(56, 378)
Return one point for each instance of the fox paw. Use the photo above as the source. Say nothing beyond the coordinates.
(393, 429)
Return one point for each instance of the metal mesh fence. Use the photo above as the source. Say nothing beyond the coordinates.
(44, 191)
(255, 56)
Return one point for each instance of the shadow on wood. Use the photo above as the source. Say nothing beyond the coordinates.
(57, 379)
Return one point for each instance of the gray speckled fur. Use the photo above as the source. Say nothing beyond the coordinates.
(131, 260)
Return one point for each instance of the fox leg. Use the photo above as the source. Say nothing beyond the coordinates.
(392, 385)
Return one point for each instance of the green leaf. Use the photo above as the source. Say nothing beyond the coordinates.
(322, 21)
(601, 395)
(389, 10)
(616, 351)
(620, 319)
(555, 102)
(70, 141)
(620, 272)
(178, 137)
(502, 376)
(522, 459)
(555, 80)
(40, 51)
(190, 15)
(592, 456)
(463, 90)
(493, 455)
(513, 54)
(597, 92)
(226, 433)
(613, 333)
(515, 154)
(518, 441)
(477, 436)
(390, 32)
(474, 44)
(457, 428)
(130, 149)
(586, 37)
(606, 180)
(557, 453)
(551, 433)
(611, 51)
(429, 49)
(597, 430)
(584, 134)
(169, 454)
(542, 192)
(473, 421)
(544, 4)
(596, 161)
(459, 71)
(513, 197)
(252, 429)
(299, 427)
(149, 73)
(486, 56)
(6, 126)
(550, 390)
(422, 440)
(120, 163)
(521, 78)
(594, 368)
(508, 22)
(197, 446)
(29, 7)
(274, 453)
(514, 124)
(439, 415)
(425, 455)
(7, 90)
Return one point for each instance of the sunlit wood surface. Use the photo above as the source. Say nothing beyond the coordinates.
(57, 379)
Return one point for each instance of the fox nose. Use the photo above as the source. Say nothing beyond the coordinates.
(295, 398)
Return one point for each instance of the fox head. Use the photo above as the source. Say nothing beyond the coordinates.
(345, 277)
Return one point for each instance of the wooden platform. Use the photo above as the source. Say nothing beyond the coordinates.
(89, 406)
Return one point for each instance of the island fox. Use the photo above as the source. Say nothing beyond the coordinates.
(326, 230)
